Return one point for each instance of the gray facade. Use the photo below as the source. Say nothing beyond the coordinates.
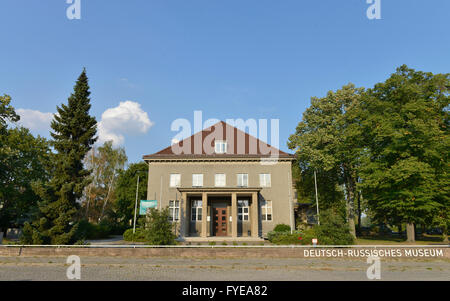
(227, 195)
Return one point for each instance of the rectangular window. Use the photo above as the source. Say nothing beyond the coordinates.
(264, 180)
(196, 211)
(175, 180)
(243, 210)
(174, 211)
(220, 180)
(242, 180)
(266, 210)
(220, 147)
(197, 180)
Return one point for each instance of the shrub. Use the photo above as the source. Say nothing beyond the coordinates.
(139, 236)
(285, 238)
(84, 230)
(159, 228)
(31, 236)
(333, 229)
(282, 228)
(27, 234)
(87, 230)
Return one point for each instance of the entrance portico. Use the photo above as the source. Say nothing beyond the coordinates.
(225, 211)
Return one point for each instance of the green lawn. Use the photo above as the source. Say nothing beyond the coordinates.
(395, 240)
(8, 242)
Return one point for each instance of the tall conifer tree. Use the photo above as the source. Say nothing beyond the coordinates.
(73, 135)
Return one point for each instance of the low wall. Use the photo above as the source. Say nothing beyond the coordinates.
(356, 252)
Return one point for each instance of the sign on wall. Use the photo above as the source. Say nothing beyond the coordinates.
(146, 204)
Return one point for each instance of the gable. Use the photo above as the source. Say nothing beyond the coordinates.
(202, 144)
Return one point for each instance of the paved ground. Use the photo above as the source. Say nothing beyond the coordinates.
(116, 268)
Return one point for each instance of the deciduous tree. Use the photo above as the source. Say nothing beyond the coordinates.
(329, 139)
(406, 127)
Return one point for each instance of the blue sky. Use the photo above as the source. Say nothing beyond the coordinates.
(228, 58)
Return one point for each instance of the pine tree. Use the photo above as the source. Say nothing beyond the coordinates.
(73, 136)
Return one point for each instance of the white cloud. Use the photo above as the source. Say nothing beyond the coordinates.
(127, 118)
(36, 121)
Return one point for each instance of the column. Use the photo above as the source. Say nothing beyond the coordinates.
(255, 215)
(204, 214)
(234, 215)
(184, 215)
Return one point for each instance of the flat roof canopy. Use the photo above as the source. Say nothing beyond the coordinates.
(219, 189)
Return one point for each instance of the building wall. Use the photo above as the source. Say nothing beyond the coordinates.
(278, 193)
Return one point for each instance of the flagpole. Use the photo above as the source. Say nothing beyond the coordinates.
(135, 205)
(317, 199)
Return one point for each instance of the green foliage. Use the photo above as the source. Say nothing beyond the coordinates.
(23, 159)
(7, 112)
(328, 139)
(104, 229)
(282, 228)
(159, 228)
(73, 135)
(405, 170)
(333, 229)
(27, 234)
(285, 238)
(140, 235)
(26, 159)
(154, 229)
(106, 163)
(125, 190)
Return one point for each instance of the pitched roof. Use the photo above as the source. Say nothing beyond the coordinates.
(201, 145)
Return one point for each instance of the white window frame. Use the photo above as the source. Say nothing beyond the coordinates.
(197, 208)
(243, 211)
(221, 183)
(173, 182)
(174, 210)
(266, 210)
(220, 146)
(242, 176)
(197, 180)
(265, 180)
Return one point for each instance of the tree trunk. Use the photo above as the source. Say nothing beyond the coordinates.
(107, 198)
(410, 237)
(351, 204)
(359, 214)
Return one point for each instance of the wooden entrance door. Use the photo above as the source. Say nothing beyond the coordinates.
(220, 221)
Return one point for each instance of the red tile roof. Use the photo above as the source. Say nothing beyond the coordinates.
(201, 144)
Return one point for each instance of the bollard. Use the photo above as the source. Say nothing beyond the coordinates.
(1, 238)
